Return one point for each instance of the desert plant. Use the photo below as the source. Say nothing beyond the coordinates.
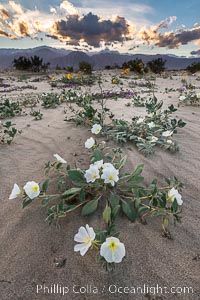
(85, 67)
(36, 114)
(194, 67)
(8, 132)
(103, 186)
(9, 109)
(157, 65)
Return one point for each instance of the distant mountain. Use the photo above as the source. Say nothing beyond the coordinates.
(64, 58)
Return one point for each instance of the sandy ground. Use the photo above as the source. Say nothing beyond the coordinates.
(28, 246)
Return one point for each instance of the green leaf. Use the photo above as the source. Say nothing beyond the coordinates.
(76, 177)
(107, 214)
(97, 155)
(143, 209)
(159, 213)
(82, 195)
(90, 207)
(115, 211)
(138, 170)
(71, 192)
(129, 211)
(46, 200)
(26, 203)
(113, 200)
(45, 185)
(174, 206)
(136, 179)
(122, 162)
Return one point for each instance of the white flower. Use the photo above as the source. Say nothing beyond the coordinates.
(112, 250)
(108, 165)
(182, 98)
(198, 95)
(169, 142)
(167, 133)
(15, 192)
(153, 139)
(96, 128)
(151, 125)
(99, 164)
(85, 237)
(110, 175)
(174, 194)
(140, 120)
(59, 158)
(89, 143)
(32, 189)
(92, 174)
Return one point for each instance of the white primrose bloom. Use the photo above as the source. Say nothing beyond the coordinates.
(32, 189)
(153, 139)
(112, 250)
(110, 175)
(198, 95)
(167, 133)
(174, 194)
(15, 192)
(151, 125)
(99, 164)
(108, 165)
(182, 98)
(96, 128)
(92, 174)
(85, 237)
(140, 120)
(89, 143)
(169, 142)
(59, 159)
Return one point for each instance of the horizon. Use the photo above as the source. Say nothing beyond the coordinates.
(146, 27)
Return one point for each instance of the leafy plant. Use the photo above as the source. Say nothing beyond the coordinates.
(36, 114)
(107, 188)
(50, 100)
(8, 132)
(156, 128)
(9, 109)
(189, 98)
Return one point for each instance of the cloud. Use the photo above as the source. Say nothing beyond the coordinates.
(175, 40)
(104, 26)
(197, 42)
(150, 35)
(171, 39)
(91, 29)
(64, 24)
(197, 52)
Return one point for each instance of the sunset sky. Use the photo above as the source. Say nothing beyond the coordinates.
(143, 26)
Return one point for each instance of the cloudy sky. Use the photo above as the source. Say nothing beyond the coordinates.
(135, 26)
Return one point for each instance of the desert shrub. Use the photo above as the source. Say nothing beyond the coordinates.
(34, 64)
(194, 67)
(157, 65)
(135, 65)
(85, 67)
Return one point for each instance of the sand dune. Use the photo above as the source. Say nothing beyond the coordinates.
(29, 246)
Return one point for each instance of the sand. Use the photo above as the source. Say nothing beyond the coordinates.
(29, 246)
